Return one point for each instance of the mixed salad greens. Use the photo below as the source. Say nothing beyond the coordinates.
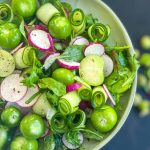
(57, 76)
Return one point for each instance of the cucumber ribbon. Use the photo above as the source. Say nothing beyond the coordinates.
(78, 22)
(77, 119)
(58, 123)
(99, 32)
(99, 97)
(6, 13)
(85, 92)
(69, 103)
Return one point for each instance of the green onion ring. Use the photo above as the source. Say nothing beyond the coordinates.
(77, 119)
(58, 123)
(69, 103)
(99, 32)
(99, 97)
(6, 13)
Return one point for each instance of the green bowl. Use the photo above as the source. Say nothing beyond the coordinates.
(120, 36)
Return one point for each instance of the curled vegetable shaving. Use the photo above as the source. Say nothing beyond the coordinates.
(99, 32)
(58, 123)
(77, 19)
(99, 97)
(6, 13)
(69, 103)
(77, 119)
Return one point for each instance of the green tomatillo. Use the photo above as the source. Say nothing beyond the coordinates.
(25, 8)
(104, 118)
(10, 36)
(60, 27)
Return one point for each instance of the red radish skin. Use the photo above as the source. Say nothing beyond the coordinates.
(31, 91)
(109, 94)
(94, 49)
(12, 90)
(17, 48)
(73, 87)
(68, 65)
(50, 60)
(41, 27)
(79, 40)
(41, 40)
(85, 104)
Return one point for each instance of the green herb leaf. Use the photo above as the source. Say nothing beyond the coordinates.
(73, 53)
(56, 87)
(90, 20)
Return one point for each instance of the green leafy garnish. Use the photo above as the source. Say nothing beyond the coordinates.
(56, 87)
(90, 20)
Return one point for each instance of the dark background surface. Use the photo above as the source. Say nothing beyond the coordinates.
(135, 15)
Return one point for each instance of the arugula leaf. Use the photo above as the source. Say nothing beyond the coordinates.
(34, 74)
(90, 20)
(73, 53)
(56, 87)
(48, 143)
(52, 98)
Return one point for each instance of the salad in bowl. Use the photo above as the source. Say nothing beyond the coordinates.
(61, 81)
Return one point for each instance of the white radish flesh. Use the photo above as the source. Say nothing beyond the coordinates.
(50, 60)
(109, 94)
(68, 64)
(41, 40)
(31, 91)
(94, 49)
(108, 65)
(79, 40)
(69, 145)
(12, 89)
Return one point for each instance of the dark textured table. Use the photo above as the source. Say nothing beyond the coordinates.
(135, 15)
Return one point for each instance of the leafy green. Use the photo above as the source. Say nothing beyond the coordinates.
(48, 143)
(90, 20)
(52, 98)
(56, 87)
(73, 53)
(34, 74)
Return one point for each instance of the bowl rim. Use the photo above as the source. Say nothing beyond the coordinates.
(133, 89)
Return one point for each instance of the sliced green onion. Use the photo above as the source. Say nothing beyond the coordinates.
(99, 97)
(99, 32)
(58, 123)
(85, 92)
(6, 13)
(77, 19)
(77, 119)
(69, 103)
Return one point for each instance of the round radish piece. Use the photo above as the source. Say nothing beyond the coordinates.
(85, 104)
(73, 87)
(108, 65)
(41, 40)
(31, 91)
(50, 60)
(41, 27)
(71, 146)
(94, 49)
(68, 64)
(23, 110)
(12, 89)
(79, 40)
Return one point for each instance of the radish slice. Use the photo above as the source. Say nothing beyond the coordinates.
(23, 110)
(108, 65)
(41, 27)
(73, 87)
(68, 64)
(41, 40)
(109, 94)
(17, 48)
(79, 40)
(71, 146)
(50, 60)
(31, 91)
(94, 49)
(12, 89)
(85, 104)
